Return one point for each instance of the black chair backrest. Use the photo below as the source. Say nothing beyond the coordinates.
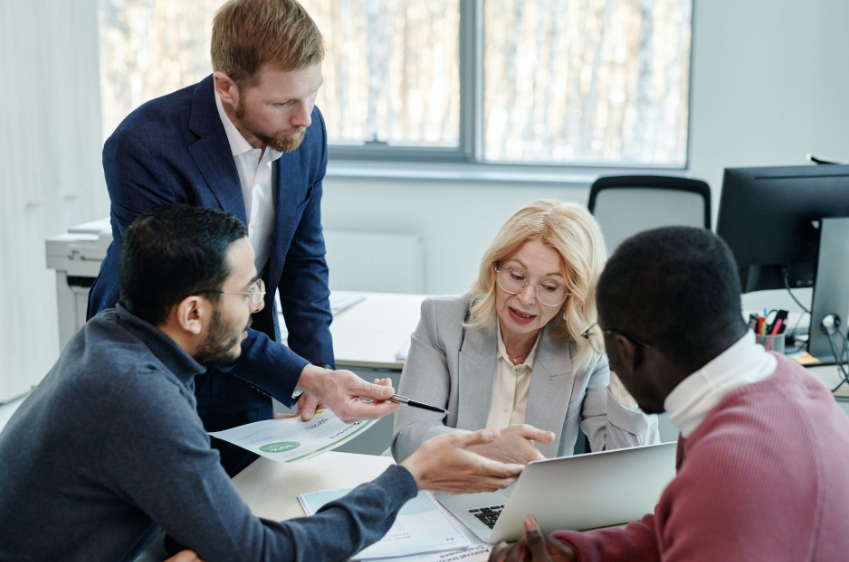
(652, 182)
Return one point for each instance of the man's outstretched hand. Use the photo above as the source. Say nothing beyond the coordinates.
(446, 464)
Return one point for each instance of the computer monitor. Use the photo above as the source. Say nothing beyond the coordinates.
(773, 221)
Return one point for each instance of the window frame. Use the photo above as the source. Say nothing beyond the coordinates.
(469, 150)
(471, 72)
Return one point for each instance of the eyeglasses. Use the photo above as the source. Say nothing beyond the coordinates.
(595, 335)
(514, 281)
(256, 294)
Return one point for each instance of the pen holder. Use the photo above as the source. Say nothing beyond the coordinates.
(771, 343)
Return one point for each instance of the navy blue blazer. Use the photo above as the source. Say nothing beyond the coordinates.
(174, 150)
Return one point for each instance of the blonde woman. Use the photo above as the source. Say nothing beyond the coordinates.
(509, 355)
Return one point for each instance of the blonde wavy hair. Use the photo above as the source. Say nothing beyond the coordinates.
(571, 230)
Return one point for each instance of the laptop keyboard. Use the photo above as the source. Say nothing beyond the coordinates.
(487, 515)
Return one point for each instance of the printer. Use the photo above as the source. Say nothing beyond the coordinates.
(76, 257)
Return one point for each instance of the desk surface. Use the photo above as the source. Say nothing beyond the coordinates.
(828, 375)
(271, 488)
(370, 333)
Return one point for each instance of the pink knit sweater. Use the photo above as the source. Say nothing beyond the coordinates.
(764, 477)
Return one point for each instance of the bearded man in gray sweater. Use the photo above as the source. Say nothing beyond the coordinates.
(109, 450)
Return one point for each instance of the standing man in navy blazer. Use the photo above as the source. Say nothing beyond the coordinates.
(249, 140)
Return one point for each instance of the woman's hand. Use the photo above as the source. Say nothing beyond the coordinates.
(515, 444)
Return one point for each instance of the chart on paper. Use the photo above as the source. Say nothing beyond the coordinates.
(292, 439)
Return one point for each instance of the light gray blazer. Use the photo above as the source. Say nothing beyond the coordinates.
(454, 367)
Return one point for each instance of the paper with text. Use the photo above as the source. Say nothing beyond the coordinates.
(477, 551)
(422, 526)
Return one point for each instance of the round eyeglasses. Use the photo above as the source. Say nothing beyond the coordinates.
(256, 294)
(514, 281)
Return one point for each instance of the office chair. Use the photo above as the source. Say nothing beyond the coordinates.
(626, 205)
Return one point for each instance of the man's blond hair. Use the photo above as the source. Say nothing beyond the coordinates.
(246, 34)
(571, 230)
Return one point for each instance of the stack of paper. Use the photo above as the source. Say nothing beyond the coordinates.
(403, 350)
(424, 531)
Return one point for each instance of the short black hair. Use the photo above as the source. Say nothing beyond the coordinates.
(171, 252)
(678, 289)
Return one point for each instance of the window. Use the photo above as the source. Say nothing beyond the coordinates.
(392, 73)
(150, 48)
(593, 82)
(543, 82)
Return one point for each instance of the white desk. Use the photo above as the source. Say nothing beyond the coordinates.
(271, 488)
(828, 375)
(369, 333)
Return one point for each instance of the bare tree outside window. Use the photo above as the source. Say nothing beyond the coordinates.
(586, 81)
(589, 82)
(149, 48)
(392, 72)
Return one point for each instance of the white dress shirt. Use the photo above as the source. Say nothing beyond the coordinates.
(509, 401)
(743, 363)
(254, 167)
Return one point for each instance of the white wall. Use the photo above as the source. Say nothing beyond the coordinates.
(456, 220)
(50, 173)
(770, 82)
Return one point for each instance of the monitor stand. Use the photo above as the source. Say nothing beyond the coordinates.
(831, 289)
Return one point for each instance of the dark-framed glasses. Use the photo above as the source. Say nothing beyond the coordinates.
(595, 335)
(256, 294)
(514, 281)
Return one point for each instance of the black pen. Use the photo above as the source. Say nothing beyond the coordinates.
(412, 403)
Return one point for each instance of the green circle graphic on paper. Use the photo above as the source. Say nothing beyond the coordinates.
(280, 447)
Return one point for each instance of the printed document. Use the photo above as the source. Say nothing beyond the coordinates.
(292, 439)
(422, 526)
(475, 553)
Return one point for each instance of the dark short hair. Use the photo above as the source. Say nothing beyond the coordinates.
(171, 252)
(676, 288)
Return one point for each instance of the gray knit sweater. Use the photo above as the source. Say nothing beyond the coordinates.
(108, 450)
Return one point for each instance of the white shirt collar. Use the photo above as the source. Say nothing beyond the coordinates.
(238, 144)
(743, 363)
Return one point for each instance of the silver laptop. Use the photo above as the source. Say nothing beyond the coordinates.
(578, 493)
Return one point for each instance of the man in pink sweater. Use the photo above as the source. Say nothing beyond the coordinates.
(763, 455)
